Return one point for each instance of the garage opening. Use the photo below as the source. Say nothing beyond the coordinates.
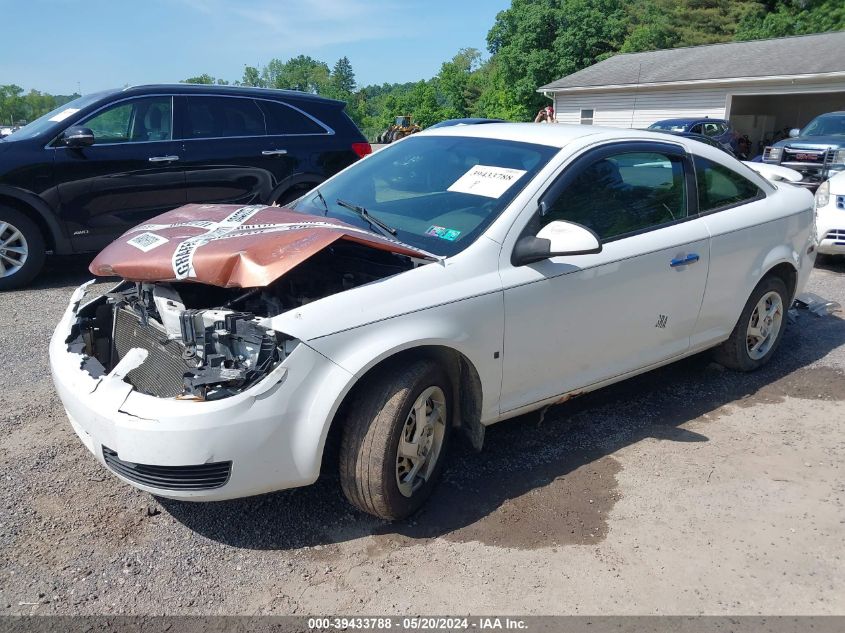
(768, 118)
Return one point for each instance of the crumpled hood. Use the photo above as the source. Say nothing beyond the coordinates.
(229, 246)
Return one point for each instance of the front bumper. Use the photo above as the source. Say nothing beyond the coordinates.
(830, 226)
(272, 433)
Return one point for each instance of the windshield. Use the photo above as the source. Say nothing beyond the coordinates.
(669, 127)
(53, 118)
(826, 125)
(438, 192)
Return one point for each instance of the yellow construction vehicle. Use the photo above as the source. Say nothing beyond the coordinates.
(402, 126)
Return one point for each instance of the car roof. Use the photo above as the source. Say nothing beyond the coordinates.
(550, 134)
(690, 120)
(241, 91)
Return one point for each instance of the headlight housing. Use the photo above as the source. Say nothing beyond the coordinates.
(823, 195)
(772, 154)
(839, 157)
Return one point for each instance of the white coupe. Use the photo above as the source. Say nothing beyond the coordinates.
(457, 278)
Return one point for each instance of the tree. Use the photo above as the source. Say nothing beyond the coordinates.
(456, 85)
(205, 78)
(299, 73)
(252, 77)
(343, 78)
(791, 17)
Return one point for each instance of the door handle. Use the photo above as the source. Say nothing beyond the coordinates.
(162, 159)
(274, 152)
(683, 261)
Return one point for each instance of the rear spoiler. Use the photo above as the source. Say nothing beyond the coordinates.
(775, 173)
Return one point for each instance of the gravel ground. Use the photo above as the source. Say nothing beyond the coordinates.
(683, 491)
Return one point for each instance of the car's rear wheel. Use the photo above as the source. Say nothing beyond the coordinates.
(760, 328)
(22, 250)
(395, 440)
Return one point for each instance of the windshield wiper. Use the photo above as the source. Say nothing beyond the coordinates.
(323, 200)
(368, 217)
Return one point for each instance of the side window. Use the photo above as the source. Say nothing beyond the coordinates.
(696, 129)
(282, 119)
(219, 117)
(712, 129)
(719, 186)
(623, 193)
(135, 121)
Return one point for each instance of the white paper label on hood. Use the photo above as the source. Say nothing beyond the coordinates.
(147, 241)
(487, 181)
(61, 116)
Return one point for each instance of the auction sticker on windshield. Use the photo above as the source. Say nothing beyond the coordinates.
(61, 116)
(487, 181)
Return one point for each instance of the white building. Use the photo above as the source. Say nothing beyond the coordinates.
(760, 86)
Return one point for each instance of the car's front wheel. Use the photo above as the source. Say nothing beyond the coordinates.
(395, 439)
(22, 250)
(759, 330)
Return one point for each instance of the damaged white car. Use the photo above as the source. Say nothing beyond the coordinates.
(457, 278)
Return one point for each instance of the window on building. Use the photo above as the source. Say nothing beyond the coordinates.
(586, 116)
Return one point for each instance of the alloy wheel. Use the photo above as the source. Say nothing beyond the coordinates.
(13, 249)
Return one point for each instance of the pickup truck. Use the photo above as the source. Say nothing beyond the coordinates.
(817, 151)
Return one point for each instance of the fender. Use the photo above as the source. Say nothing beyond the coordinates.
(295, 180)
(55, 237)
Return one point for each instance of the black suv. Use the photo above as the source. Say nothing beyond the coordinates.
(79, 176)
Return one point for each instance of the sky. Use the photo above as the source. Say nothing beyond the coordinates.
(62, 46)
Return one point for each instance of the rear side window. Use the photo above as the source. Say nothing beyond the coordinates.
(219, 117)
(720, 187)
(283, 119)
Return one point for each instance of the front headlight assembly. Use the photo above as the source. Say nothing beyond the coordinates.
(823, 195)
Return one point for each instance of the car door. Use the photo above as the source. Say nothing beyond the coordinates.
(131, 172)
(225, 150)
(571, 322)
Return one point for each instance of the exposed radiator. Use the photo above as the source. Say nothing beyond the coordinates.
(161, 374)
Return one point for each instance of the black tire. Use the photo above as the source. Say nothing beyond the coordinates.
(34, 244)
(734, 353)
(369, 448)
(397, 135)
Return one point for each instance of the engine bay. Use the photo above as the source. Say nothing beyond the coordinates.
(205, 342)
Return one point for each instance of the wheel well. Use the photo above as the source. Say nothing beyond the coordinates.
(32, 214)
(788, 275)
(466, 384)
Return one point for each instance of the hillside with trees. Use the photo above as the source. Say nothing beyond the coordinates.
(530, 44)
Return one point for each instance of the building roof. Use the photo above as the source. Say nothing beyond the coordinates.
(785, 56)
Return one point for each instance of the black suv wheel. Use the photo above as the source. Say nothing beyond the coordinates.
(21, 249)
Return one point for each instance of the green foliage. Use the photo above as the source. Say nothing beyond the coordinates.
(302, 73)
(204, 79)
(252, 77)
(18, 108)
(782, 18)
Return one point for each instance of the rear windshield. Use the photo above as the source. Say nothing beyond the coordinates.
(438, 192)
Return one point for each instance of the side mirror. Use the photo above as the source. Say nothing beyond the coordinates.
(77, 136)
(555, 239)
(794, 132)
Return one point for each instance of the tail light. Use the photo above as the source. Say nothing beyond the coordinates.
(362, 149)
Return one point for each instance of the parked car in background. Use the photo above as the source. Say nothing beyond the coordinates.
(707, 140)
(717, 129)
(463, 276)
(817, 151)
(465, 121)
(830, 215)
(79, 176)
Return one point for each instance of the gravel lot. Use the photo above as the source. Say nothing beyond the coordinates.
(687, 490)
